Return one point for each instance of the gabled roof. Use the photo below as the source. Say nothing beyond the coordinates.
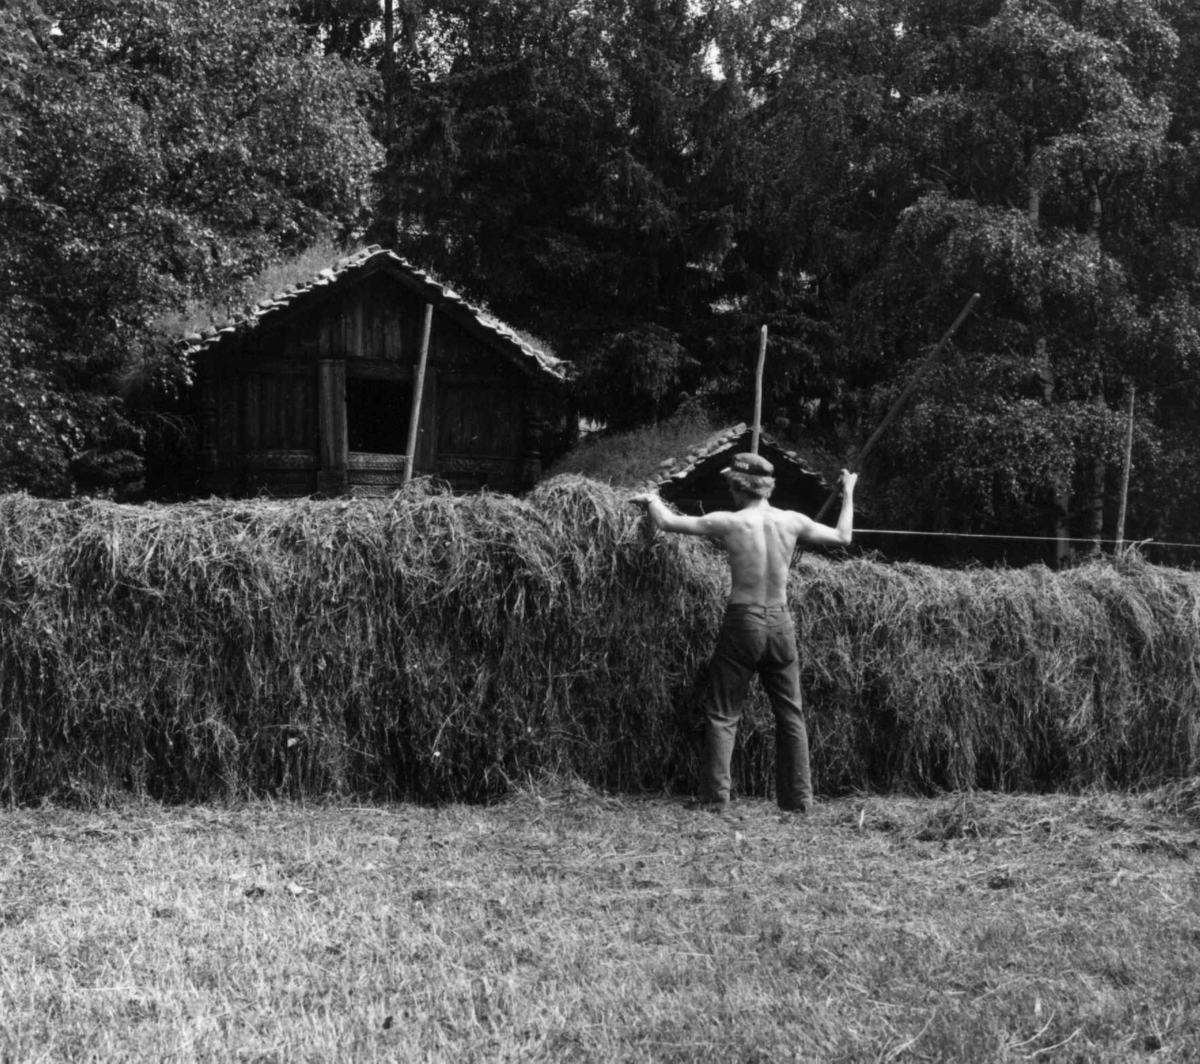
(715, 452)
(351, 270)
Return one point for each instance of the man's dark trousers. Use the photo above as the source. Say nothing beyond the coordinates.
(762, 640)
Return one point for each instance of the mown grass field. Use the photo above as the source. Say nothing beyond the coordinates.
(565, 925)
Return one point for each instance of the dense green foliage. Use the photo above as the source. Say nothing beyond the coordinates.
(161, 152)
(648, 183)
(440, 646)
(644, 183)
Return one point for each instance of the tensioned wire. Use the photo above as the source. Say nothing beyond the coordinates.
(1034, 539)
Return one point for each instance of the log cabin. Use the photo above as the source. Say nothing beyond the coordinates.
(323, 389)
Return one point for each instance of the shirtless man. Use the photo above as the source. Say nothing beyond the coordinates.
(757, 634)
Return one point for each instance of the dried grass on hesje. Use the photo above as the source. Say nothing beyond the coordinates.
(431, 645)
(440, 646)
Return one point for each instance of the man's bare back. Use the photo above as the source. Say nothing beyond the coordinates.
(759, 539)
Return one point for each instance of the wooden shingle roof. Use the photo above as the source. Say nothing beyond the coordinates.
(714, 454)
(352, 269)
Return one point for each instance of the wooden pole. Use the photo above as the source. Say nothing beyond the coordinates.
(899, 405)
(1125, 467)
(418, 388)
(758, 378)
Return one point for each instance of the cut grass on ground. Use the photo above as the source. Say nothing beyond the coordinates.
(563, 924)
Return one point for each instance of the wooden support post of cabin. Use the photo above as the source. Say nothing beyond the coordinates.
(758, 389)
(418, 387)
(333, 477)
(1125, 467)
(535, 428)
(208, 427)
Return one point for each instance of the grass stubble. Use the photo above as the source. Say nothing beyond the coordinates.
(566, 924)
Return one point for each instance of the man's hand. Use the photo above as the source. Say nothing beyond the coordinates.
(645, 498)
(848, 481)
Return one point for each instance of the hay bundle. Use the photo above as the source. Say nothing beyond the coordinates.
(1005, 678)
(429, 645)
(440, 646)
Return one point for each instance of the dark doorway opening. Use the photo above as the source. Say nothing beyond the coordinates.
(377, 413)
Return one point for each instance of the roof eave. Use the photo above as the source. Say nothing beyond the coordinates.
(352, 270)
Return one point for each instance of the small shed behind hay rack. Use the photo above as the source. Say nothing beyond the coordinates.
(694, 484)
(312, 392)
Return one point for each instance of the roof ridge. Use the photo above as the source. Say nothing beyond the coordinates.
(719, 442)
(212, 334)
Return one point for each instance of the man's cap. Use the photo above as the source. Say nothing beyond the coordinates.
(751, 464)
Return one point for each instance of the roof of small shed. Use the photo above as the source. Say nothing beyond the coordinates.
(718, 449)
(351, 270)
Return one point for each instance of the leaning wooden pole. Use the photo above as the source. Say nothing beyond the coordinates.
(899, 405)
(758, 390)
(415, 416)
(1125, 467)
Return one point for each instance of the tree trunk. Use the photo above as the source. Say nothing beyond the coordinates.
(1095, 210)
(1061, 489)
(389, 72)
(1096, 506)
(1099, 467)
(1096, 500)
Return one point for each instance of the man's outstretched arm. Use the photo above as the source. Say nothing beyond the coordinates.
(842, 533)
(669, 521)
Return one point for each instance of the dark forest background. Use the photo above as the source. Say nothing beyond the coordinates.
(642, 184)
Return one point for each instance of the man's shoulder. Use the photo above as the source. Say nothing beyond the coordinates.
(723, 518)
(789, 517)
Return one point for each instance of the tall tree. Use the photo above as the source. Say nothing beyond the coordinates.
(557, 156)
(167, 150)
(1031, 134)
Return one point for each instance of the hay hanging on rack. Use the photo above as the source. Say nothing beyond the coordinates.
(440, 646)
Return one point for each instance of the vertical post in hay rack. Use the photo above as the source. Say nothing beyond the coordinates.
(418, 387)
(1125, 466)
(758, 379)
